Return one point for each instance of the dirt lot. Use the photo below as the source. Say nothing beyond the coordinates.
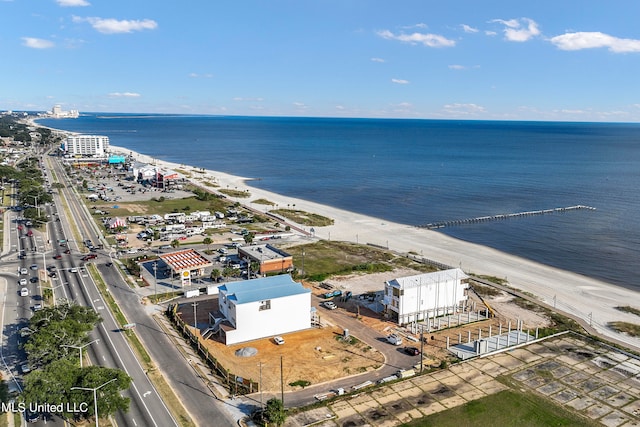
(315, 355)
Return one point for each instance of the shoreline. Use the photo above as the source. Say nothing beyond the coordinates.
(590, 299)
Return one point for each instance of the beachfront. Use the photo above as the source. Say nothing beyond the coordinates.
(590, 299)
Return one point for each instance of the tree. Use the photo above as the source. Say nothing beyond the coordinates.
(274, 412)
(207, 241)
(55, 327)
(175, 243)
(53, 384)
(215, 274)
(248, 238)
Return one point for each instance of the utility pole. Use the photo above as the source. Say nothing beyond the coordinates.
(195, 317)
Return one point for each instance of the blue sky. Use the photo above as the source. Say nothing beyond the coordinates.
(573, 60)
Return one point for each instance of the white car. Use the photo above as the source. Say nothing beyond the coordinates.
(330, 305)
(24, 271)
(73, 270)
(394, 339)
(278, 340)
(23, 282)
(24, 292)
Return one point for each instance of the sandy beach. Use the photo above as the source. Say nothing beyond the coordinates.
(590, 299)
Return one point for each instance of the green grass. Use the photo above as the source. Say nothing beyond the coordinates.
(304, 218)
(234, 193)
(629, 309)
(325, 258)
(630, 329)
(505, 409)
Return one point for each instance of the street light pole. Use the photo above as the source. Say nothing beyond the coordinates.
(155, 281)
(80, 347)
(95, 396)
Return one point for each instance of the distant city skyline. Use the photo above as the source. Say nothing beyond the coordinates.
(565, 60)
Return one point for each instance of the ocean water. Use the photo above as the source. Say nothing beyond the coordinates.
(422, 171)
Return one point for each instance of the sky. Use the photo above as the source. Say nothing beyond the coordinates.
(560, 60)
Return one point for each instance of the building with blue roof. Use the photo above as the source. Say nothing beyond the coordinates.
(264, 307)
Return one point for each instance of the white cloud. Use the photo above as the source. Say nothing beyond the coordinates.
(36, 43)
(468, 29)
(241, 99)
(204, 76)
(124, 95)
(593, 40)
(464, 109)
(519, 30)
(377, 60)
(72, 3)
(114, 26)
(300, 105)
(400, 81)
(429, 40)
(457, 67)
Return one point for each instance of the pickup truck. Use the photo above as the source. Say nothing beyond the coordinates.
(88, 257)
(332, 294)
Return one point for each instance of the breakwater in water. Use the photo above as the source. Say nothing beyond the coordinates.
(442, 224)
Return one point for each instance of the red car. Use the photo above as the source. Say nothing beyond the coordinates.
(58, 256)
(68, 251)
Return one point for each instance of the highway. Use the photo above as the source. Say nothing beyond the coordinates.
(111, 349)
(188, 387)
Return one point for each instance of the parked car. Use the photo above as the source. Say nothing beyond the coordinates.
(24, 292)
(332, 294)
(34, 279)
(330, 305)
(24, 271)
(278, 340)
(394, 339)
(23, 282)
(411, 351)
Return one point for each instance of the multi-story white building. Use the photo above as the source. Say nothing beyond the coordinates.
(415, 298)
(86, 145)
(260, 308)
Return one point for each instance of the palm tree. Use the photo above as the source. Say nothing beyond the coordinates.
(175, 243)
(207, 241)
(215, 274)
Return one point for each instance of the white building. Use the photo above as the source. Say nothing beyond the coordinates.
(425, 295)
(260, 308)
(87, 145)
(58, 113)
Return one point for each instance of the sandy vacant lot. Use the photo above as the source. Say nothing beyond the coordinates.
(315, 355)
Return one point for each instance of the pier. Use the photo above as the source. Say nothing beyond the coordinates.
(442, 224)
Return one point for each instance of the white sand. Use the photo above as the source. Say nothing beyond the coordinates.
(584, 297)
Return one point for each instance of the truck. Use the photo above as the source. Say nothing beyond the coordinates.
(88, 257)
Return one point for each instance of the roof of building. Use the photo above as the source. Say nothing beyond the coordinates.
(262, 289)
(264, 252)
(428, 278)
(187, 259)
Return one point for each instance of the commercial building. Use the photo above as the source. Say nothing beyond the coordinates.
(415, 298)
(259, 308)
(86, 145)
(186, 264)
(269, 258)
